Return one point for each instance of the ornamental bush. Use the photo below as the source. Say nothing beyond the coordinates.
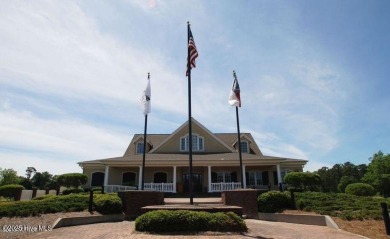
(49, 204)
(72, 180)
(273, 201)
(108, 203)
(9, 191)
(360, 189)
(189, 221)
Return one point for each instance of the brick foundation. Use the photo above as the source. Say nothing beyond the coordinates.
(247, 199)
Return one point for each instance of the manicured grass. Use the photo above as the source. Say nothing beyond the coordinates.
(345, 206)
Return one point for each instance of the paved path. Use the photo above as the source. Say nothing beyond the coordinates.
(257, 229)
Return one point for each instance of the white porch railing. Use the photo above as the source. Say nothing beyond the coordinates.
(117, 188)
(160, 187)
(219, 187)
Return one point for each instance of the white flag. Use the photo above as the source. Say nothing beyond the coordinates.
(234, 97)
(145, 99)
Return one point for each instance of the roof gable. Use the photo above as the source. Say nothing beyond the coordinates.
(212, 144)
(231, 140)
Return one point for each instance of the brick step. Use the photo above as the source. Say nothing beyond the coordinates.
(197, 201)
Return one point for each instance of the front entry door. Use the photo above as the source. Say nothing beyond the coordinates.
(197, 180)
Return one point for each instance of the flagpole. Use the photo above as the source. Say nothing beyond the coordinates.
(191, 193)
(143, 156)
(239, 147)
(239, 140)
(144, 151)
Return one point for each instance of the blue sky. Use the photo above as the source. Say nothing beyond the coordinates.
(314, 77)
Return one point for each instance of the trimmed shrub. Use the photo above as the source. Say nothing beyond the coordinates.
(360, 189)
(72, 180)
(189, 221)
(9, 191)
(72, 190)
(344, 182)
(273, 201)
(50, 204)
(108, 203)
(303, 180)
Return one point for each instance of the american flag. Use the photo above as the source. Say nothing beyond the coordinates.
(193, 53)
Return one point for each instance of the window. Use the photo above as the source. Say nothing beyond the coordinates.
(224, 177)
(160, 177)
(97, 179)
(140, 148)
(255, 178)
(128, 179)
(197, 143)
(244, 147)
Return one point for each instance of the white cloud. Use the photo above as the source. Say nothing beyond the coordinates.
(24, 132)
(55, 48)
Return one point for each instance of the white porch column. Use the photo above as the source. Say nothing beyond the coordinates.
(140, 178)
(174, 179)
(279, 174)
(106, 175)
(244, 176)
(209, 179)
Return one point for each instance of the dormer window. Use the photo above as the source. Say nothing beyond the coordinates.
(244, 147)
(197, 143)
(140, 148)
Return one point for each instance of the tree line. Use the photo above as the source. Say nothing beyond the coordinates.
(41, 180)
(338, 177)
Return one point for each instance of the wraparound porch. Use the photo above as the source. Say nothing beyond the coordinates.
(175, 179)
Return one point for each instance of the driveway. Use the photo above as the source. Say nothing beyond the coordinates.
(257, 229)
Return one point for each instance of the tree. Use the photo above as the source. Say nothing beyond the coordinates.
(304, 181)
(330, 177)
(41, 180)
(25, 182)
(377, 172)
(8, 176)
(29, 171)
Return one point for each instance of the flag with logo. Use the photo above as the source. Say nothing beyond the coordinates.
(234, 97)
(145, 99)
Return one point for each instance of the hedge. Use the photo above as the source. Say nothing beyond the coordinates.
(104, 203)
(189, 221)
(273, 201)
(72, 190)
(360, 189)
(10, 190)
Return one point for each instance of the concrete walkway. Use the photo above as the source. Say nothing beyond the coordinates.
(257, 229)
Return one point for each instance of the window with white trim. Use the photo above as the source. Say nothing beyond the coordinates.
(244, 147)
(255, 178)
(140, 148)
(197, 143)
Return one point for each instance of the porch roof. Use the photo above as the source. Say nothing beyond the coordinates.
(221, 159)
